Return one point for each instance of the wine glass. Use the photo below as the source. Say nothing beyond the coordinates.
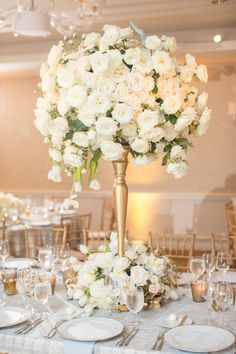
(208, 293)
(222, 263)
(42, 292)
(45, 257)
(134, 301)
(209, 261)
(28, 281)
(63, 252)
(4, 251)
(197, 266)
(223, 298)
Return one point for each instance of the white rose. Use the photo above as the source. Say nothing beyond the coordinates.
(120, 73)
(62, 106)
(169, 43)
(142, 160)
(105, 84)
(136, 81)
(115, 58)
(58, 129)
(76, 96)
(178, 169)
(132, 56)
(126, 33)
(148, 119)
(191, 61)
(202, 73)
(86, 116)
(185, 119)
(111, 151)
(83, 64)
(80, 139)
(177, 152)
(140, 145)
(122, 113)
(54, 56)
(152, 134)
(129, 130)
(99, 62)
(202, 101)
(43, 70)
(55, 174)
(99, 102)
(95, 185)
(186, 73)
(121, 264)
(136, 99)
(167, 86)
(91, 135)
(88, 79)
(138, 275)
(42, 103)
(152, 42)
(204, 122)
(86, 278)
(104, 260)
(48, 83)
(170, 132)
(171, 104)
(43, 121)
(65, 77)
(162, 62)
(145, 62)
(121, 93)
(91, 40)
(55, 155)
(111, 35)
(106, 126)
(71, 156)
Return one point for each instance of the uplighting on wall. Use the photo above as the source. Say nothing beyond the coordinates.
(217, 38)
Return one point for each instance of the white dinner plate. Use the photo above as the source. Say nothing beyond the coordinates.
(163, 321)
(11, 316)
(229, 277)
(199, 339)
(90, 328)
(20, 262)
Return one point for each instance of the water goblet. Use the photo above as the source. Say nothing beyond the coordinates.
(4, 251)
(42, 292)
(134, 300)
(223, 298)
(197, 266)
(208, 293)
(63, 252)
(28, 281)
(209, 261)
(45, 257)
(222, 263)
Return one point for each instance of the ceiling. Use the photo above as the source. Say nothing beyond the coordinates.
(192, 22)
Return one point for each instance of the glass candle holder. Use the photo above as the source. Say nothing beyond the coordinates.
(9, 278)
(48, 276)
(196, 288)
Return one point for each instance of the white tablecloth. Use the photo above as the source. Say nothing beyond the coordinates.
(35, 343)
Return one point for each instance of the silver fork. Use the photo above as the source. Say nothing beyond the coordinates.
(28, 323)
(124, 337)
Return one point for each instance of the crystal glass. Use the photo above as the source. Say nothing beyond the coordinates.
(134, 301)
(209, 261)
(45, 258)
(42, 292)
(223, 299)
(63, 252)
(222, 263)
(197, 266)
(4, 251)
(208, 293)
(28, 281)
(9, 277)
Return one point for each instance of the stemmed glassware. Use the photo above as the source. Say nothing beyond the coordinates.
(42, 292)
(45, 257)
(197, 266)
(4, 251)
(208, 293)
(223, 298)
(134, 301)
(63, 252)
(209, 261)
(27, 279)
(222, 263)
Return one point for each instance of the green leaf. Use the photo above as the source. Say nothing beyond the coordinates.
(165, 159)
(97, 154)
(155, 89)
(153, 146)
(73, 116)
(183, 142)
(167, 148)
(159, 100)
(172, 118)
(109, 113)
(77, 125)
(94, 162)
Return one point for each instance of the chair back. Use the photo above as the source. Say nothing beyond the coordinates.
(94, 239)
(231, 218)
(75, 225)
(108, 215)
(3, 228)
(178, 247)
(220, 243)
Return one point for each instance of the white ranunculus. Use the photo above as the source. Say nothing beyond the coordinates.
(162, 62)
(121, 93)
(106, 126)
(111, 35)
(129, 130)
(201, 73)
(95, 185)
(152, 134)
(186, 73)
(111, 151)
(91, 40)
(204, 122)
(185, 119)
(152, 42)
(62, 106)
(138, 275)
(191, 61)
(54, 56)
(65, 77)
(98, 102)
(202, 101)
(171, 104)
(145, 62)
(55, 155)
(43, 121)
(80, 139)
(177, 169)
(169, 43)
(177, 152)
(170, 132)
(142, 160)
(140, 145)
(99, 63)
(148, 119)
(122, 113)
(86, 116)
(126, 33)
(76, 96)
(55, 174)
(132, 56)
(71, 156)
(115, 58)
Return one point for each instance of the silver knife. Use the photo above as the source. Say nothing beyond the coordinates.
(128, 340)
(124, 337)
(36, 323)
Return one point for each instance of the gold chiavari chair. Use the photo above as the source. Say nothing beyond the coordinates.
(178, 247)
(108, 215)
(75, 225)
(94, 239)
(226, 244)
(36, 237)
(231, 218)
(3, 228)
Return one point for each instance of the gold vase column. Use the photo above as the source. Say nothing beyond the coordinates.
(120, 197)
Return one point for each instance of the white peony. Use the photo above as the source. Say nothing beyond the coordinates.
(148, 119)
(162, 62)
(132, 56)
(98, 102)
(122, 113)
(138, 275)
(99, 63)
(106, 126)
(80, 139)
(111, 151)
(171, 104)
(55, 174)
(201, 73)
(202, 101)
(152, 42)
(204, 122)
(65, 77)
(77, 96)
(140, 145)
(185, 119)
(178, 169)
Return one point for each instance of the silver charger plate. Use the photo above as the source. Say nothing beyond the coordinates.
(199, 338)
(90, 329)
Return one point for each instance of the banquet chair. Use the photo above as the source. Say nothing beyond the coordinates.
(75, 225)
(226, 244)
(94, 239)
(178, 247)
(3, 229)
(231, 218)
(36, 237)
(108, 215)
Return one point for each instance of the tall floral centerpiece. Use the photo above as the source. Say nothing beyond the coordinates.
(113, 93)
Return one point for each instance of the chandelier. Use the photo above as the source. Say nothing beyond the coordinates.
(36, 18)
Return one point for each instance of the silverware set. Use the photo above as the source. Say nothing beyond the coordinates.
(127, 337)
(28, 326)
